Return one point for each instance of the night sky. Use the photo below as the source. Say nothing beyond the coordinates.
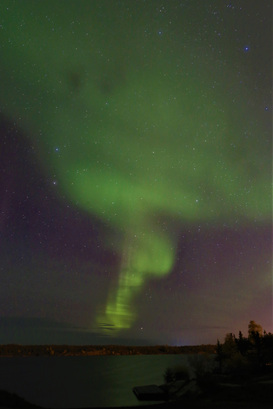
(135, 170)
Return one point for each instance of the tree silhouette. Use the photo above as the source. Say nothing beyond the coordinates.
(254, 328)
(239, 355)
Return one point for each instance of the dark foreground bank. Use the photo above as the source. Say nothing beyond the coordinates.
(219, 392)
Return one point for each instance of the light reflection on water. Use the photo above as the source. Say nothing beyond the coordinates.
(74, 382)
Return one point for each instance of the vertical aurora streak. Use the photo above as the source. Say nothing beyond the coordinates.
(145, 255)
(143, 131)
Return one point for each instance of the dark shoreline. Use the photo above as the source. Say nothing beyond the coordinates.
(12, 401)
(227, 393)
(13, 350)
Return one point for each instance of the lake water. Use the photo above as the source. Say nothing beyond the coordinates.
(78, 382)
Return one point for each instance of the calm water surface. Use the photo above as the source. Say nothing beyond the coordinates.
(77, 382)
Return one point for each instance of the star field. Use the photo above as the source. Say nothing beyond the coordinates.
(136, 170)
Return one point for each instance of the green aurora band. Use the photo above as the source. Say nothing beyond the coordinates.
(135, 135)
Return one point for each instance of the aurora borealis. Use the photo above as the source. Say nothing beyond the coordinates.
(136, 163)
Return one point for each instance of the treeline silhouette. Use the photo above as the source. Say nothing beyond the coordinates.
(86, 350)
(253, 353)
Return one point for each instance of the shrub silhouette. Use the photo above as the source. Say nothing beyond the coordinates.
(177, 373)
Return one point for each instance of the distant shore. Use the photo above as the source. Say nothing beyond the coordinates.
(13, 350)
